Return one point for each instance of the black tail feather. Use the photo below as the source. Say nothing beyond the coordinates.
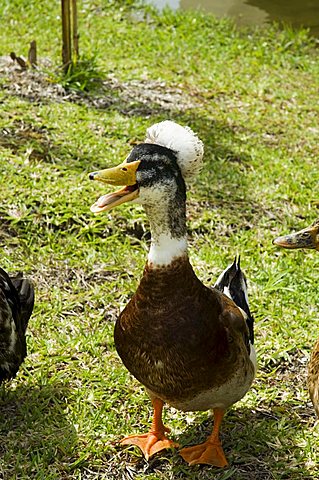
(232, 282)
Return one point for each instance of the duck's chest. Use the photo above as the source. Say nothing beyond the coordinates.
(176, 351)
(223, 395)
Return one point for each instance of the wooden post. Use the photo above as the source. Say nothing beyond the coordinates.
(32, 54)
(75, 32)
(66, 35)
(70, 53)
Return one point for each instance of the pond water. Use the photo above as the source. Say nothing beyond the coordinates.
(296, 13)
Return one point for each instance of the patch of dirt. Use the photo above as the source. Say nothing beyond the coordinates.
(134, 97)
(32, 84)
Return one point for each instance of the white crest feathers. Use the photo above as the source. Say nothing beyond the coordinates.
(188, 148)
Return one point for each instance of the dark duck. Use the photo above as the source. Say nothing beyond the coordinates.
(16, 305)
(307, 238)
(188, 344)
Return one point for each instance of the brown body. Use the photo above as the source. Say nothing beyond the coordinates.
(185, 350)
(313, 383)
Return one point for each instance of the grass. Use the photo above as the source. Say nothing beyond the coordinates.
(251, 96)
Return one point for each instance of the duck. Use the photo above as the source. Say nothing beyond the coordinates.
(16, 306)
(307, 238)
(188, 344)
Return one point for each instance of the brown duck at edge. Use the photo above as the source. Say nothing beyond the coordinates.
(189, 345)
(307, 238)
(16, 305)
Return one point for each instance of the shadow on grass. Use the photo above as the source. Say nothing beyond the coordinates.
(143, 99)
(225, 179)
(35, 434)
(224, 188)
(26, 137)
(259, 445)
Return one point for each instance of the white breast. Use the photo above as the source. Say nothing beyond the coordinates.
(227, 394)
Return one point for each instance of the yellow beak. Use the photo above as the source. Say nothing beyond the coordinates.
(123, 174)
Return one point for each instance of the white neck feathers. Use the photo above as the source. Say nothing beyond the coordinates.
(169, 240)
(164, 249)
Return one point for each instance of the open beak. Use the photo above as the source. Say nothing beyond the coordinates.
(306, 238)
(123, 174)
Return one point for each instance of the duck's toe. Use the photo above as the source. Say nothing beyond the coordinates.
(206, 453)
(149, 443)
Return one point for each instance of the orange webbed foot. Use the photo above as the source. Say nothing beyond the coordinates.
(207, 453)
(156, 440)
(210, 452)
(150, 443)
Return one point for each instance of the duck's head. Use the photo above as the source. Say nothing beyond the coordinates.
(306, 238)
(155, 170)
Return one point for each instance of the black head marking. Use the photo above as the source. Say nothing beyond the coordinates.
(159, 162)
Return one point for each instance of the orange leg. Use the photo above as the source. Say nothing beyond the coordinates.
(156, 440)
(211, 451)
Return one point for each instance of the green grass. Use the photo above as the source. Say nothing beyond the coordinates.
(251, 96)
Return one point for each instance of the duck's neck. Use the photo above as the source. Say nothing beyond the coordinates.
(168, 232)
